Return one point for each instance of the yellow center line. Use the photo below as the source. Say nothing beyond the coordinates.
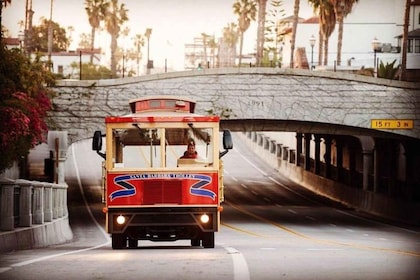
(242, 230)
(301, 235)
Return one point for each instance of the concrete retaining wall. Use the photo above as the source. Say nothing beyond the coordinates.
(36, 236)
(32, 214)
(366, 201)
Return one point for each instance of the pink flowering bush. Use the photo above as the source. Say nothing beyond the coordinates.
(24, 103)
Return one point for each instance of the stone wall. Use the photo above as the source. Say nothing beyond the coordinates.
(245, 93)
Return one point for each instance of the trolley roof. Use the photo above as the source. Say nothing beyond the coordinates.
(163, 108)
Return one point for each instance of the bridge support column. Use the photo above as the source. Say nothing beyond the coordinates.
(25, 203)
(279, 148)
(7, 205)
(299, 139)
(308, 138)
(352, 166)
(327, 156)
(48, 203)
(367, 168)
(317, 166)
(38, 203)
(411, 176)
(339, 148)
(285, 153)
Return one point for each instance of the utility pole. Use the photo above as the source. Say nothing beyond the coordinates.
(50, 37)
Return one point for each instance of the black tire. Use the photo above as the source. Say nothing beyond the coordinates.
(118, 241)
(132, 243)
(208, 240)
(195, 242)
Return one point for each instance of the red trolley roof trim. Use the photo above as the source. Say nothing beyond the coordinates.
(162, 103)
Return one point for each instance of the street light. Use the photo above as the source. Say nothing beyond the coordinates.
(312, 41)
(147, 35)
(21, 37)
(376, 46)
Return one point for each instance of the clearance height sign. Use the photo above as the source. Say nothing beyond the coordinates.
(391, 124)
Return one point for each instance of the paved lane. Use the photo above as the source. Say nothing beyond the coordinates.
(271, 229)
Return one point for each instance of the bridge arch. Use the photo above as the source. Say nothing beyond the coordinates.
(286, 98)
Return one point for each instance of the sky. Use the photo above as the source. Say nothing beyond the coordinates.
(173, 22)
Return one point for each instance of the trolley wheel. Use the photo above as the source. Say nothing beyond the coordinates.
(118, 241)
(132, 243)
(195, 242)
(208, 240)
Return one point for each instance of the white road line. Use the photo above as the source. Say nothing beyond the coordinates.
(240, 267)
(324, 249)
(292, 211)
(253, 165)
(56, 255)
(79, 182)
(275, 181)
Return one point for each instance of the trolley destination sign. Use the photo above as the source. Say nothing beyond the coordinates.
(391, 124)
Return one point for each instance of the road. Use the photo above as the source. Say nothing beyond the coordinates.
(271, 229)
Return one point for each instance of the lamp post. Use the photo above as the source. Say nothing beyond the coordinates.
(21, 37)
(376, 45)
(50, 38)
(123, 66)
(147, 34)
(312, 41)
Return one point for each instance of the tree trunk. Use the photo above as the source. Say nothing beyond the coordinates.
(321, 47)
(113, 59)
(240, 49)
(339, 39)
(92, 44)
(262, 4)
(405, 41)
(326, 51)
(294, 29)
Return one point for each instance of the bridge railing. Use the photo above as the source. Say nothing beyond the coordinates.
(25, 203)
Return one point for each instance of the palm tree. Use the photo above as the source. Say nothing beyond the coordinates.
(405, 40)
(294, 29)
(138, 43)
(327, 20)
(262, 6)
(3, 2)
(230, 39)
(205, 43)
(341, 9)
(246, 10)
(115, 16)
(96, 10)
(213, 46)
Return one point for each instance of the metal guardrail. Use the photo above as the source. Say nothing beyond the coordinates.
(24, 203)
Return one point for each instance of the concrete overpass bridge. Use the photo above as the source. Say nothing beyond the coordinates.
(331, 114)
(251, 99)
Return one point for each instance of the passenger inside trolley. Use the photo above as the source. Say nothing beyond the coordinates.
(190, 152)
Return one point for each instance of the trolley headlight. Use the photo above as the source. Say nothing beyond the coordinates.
(204, 218)
(120, 220)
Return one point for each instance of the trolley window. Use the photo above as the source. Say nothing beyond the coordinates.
(163, 148)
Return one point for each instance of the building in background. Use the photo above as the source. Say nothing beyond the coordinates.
(360, 29)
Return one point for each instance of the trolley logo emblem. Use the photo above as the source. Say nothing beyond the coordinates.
(128, 189)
